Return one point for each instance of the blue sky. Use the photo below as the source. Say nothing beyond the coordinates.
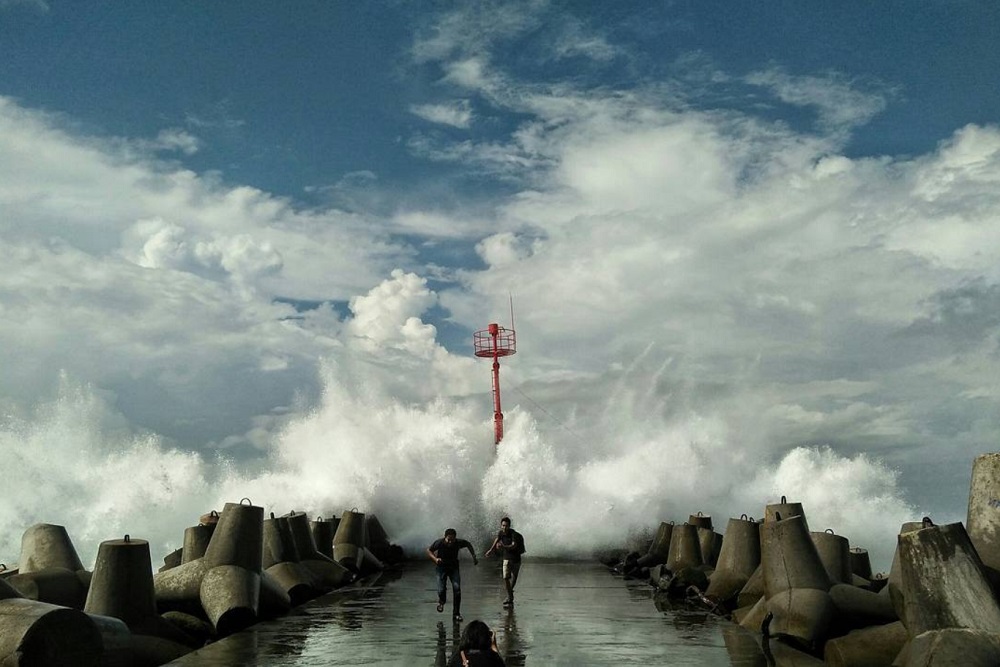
(757, 237)
(299, 97)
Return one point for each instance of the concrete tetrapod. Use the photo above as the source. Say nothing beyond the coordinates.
(874, 646)
(50, 569)
(281, 561)
(328, 573)
(55, 585)
(177, 589)
(196, 541)
(742, 646)
(710, 542)
(370, 564)
(944, 584)
(38, 634)
(835, 553)
(685, 549)
(278, 544)
(785, 510)
(753, 590)
(795, 581)
(706, 537)
(660, 548)
(958, 647)
(861, 564)
(298, 527)
(894, 585)
(45, 545)
(238, 537)
(322, 532)
(860, 607)
(172, 559)
(230, 595)
(738, 559)
(983, 522)
(122, 588)
(230, 589)
(349, 540)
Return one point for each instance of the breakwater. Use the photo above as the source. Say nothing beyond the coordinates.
(811, 598)
(802, 596)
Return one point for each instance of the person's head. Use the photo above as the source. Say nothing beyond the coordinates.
(505, 524)
(450, 535)
(477, 635)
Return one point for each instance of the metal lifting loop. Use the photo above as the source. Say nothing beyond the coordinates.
(215, 514)
(784, 501)
(3, 566)
(700, 514)
(830, 530)
(744, 517)
(354, 509)
(272, 515)
(249, 502)
(926, 521)
(127, 538)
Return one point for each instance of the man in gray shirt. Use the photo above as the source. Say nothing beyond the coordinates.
(511, 545)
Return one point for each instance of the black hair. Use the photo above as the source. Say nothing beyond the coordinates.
(450, 531)
(476, 636)
(507, 519)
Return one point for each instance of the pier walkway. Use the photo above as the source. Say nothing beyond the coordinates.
(567, 613)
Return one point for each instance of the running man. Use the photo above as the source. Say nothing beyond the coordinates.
(511, 544)
(444, 553)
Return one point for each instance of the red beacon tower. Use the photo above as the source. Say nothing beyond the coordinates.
(495, 341)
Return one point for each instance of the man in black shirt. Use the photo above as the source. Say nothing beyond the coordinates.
(444, 553)
(511, 544)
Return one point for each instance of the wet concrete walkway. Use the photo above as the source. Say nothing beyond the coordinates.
(567, 613)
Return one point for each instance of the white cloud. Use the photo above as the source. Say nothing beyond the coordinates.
(175, 139)
(838, 102)
(505, 248)
(38, 5)
(385, 315)
(575, 40)
(469, 73)
(457, 114)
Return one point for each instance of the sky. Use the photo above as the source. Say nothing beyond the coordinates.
(752, 252)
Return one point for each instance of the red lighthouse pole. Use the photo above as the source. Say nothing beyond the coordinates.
(495, 341)
(494, 330)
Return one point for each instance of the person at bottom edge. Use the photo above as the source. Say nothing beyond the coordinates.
(477, 647)
(444, 553)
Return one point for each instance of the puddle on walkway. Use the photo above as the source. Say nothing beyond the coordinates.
(567, 613)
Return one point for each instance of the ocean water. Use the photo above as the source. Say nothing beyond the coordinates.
(566, 613)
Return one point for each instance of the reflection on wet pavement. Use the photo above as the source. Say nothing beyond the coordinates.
(566, 613)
